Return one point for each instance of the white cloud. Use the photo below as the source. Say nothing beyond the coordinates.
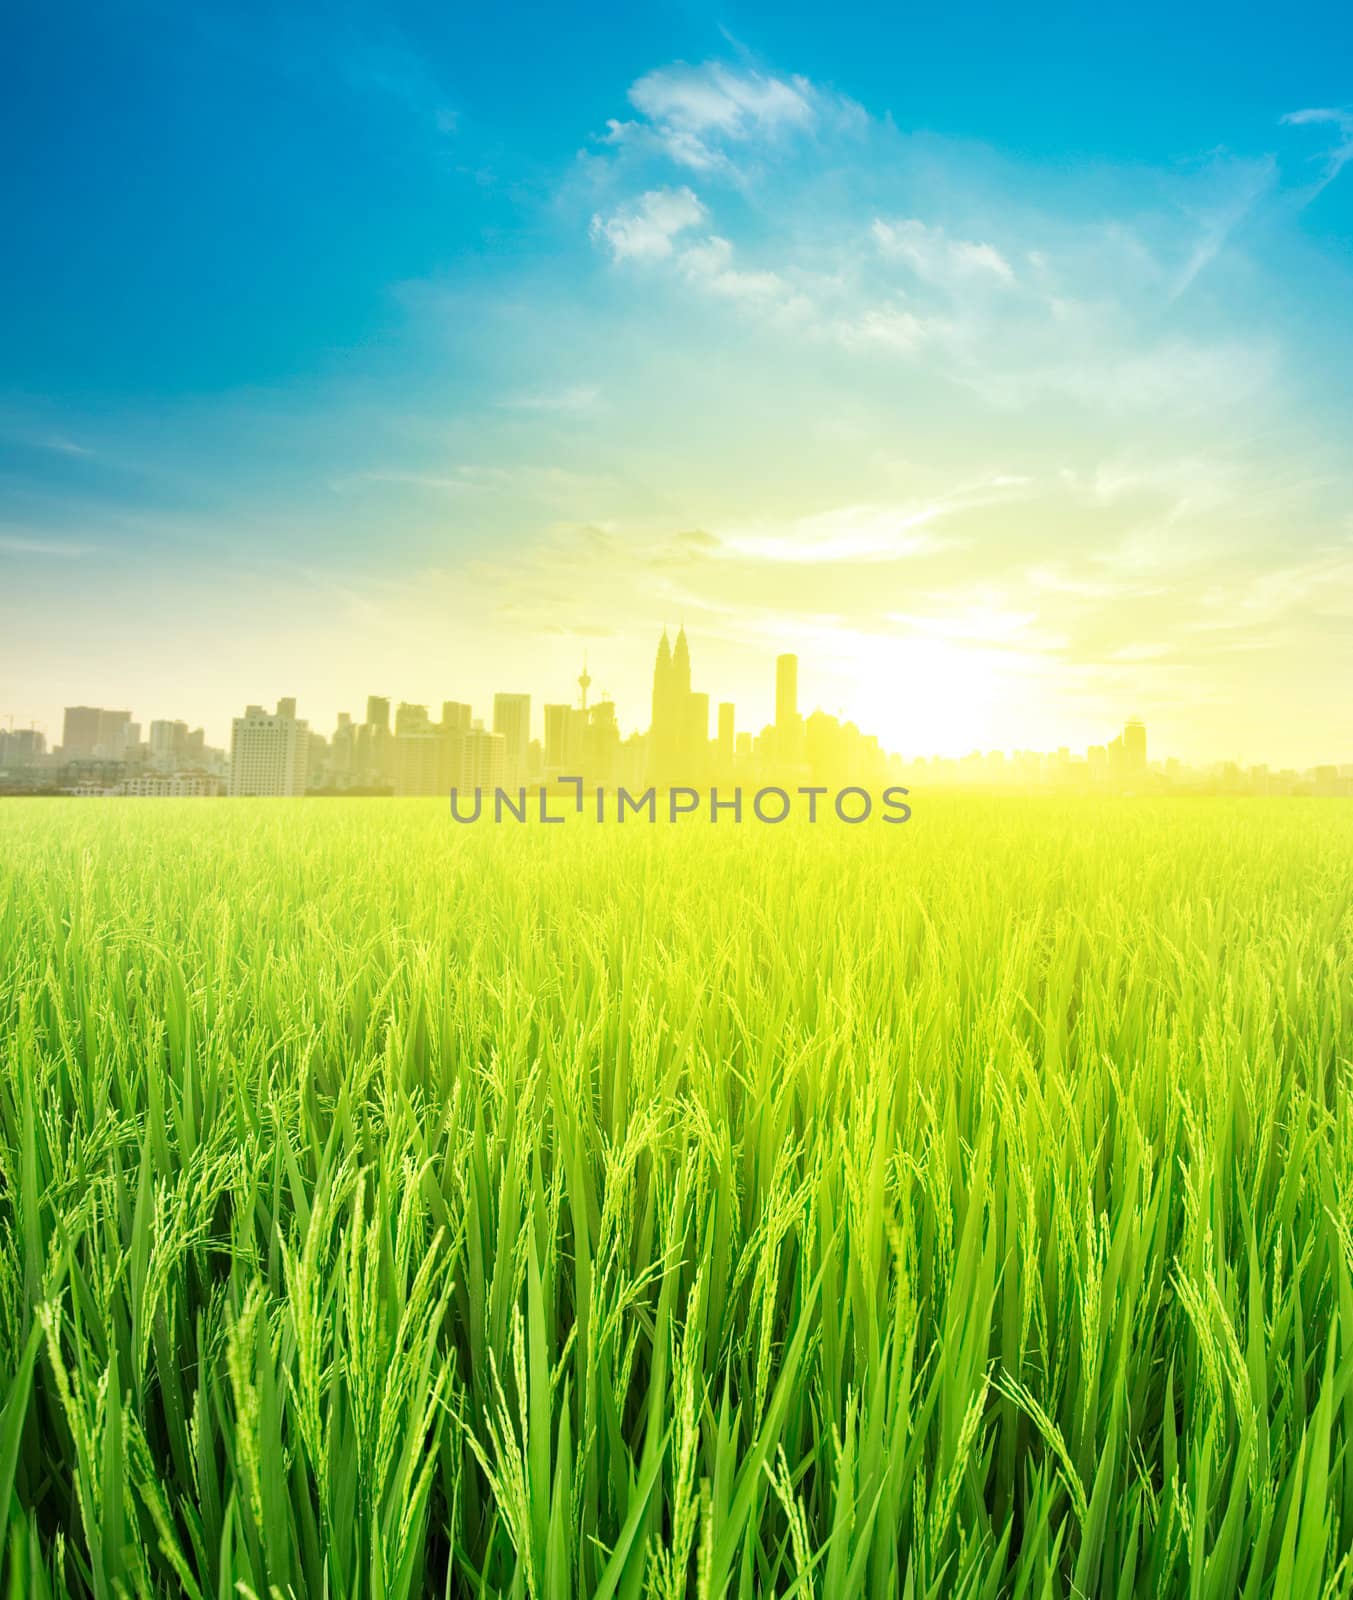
(932, 254)
(713, 98)
(643, 229)
(709, 265)
(850, 533)
(691, 115)
(887, 327)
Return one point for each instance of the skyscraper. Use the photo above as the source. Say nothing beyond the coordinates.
(378, 712)
(788, 728)
(556, 737)
(695, 752)
(681, 668)
(662, 694)
(427, 760)
(512, 719)
(168, 741)
(601, 753)
(679, 734)
(80, 731)
(726, 737)
(786, 690)
(269, 755)
(93, 733)
(482, 760)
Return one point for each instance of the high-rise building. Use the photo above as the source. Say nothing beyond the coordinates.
(788, 724)
(679, 735)
(695, 754)
(410, 718)
(681, 667)
(512, 719)
(786, 690)
(427, 760)
(93, 733)
(1127, 753)
(378, 712)
(342, 754)
(80, 731)
(168, 744)
(483, 760)
(601, 752)
(726, 737)
(456, 717)
(269, 754)
(21, 747)
(556, 737)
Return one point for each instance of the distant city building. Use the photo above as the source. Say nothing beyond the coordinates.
(679, 734)
(601, 751)
(276, 753)
(786, 690)
(484, 760)
(168, 745)
(427, 760)
(92, 731)
(21, 747)
(512, 720)
(269, 754)
(727, 736)
(556, 737)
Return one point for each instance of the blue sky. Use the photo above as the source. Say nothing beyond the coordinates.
(1000, 364)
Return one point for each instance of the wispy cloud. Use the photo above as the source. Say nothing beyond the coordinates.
(934, 255)
(63, 446)
(572, 399)
(1030, 305)
(703, 117)
(864, 533)
(711, 266)
(39, 545)
(1339, 119)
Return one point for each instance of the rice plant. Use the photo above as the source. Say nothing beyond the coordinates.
(390, 1209)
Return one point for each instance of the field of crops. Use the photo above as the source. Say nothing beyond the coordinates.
(961, 1209)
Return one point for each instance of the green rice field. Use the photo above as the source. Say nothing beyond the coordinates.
(962, 1209)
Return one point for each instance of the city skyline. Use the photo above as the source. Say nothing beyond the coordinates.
(480, 338)
(770, 699)
(694, 735)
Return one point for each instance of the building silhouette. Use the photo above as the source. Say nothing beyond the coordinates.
(679, 733)
(788, 726)
(724, 751)
(484, 760)
(274, 753)
(512, 719)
